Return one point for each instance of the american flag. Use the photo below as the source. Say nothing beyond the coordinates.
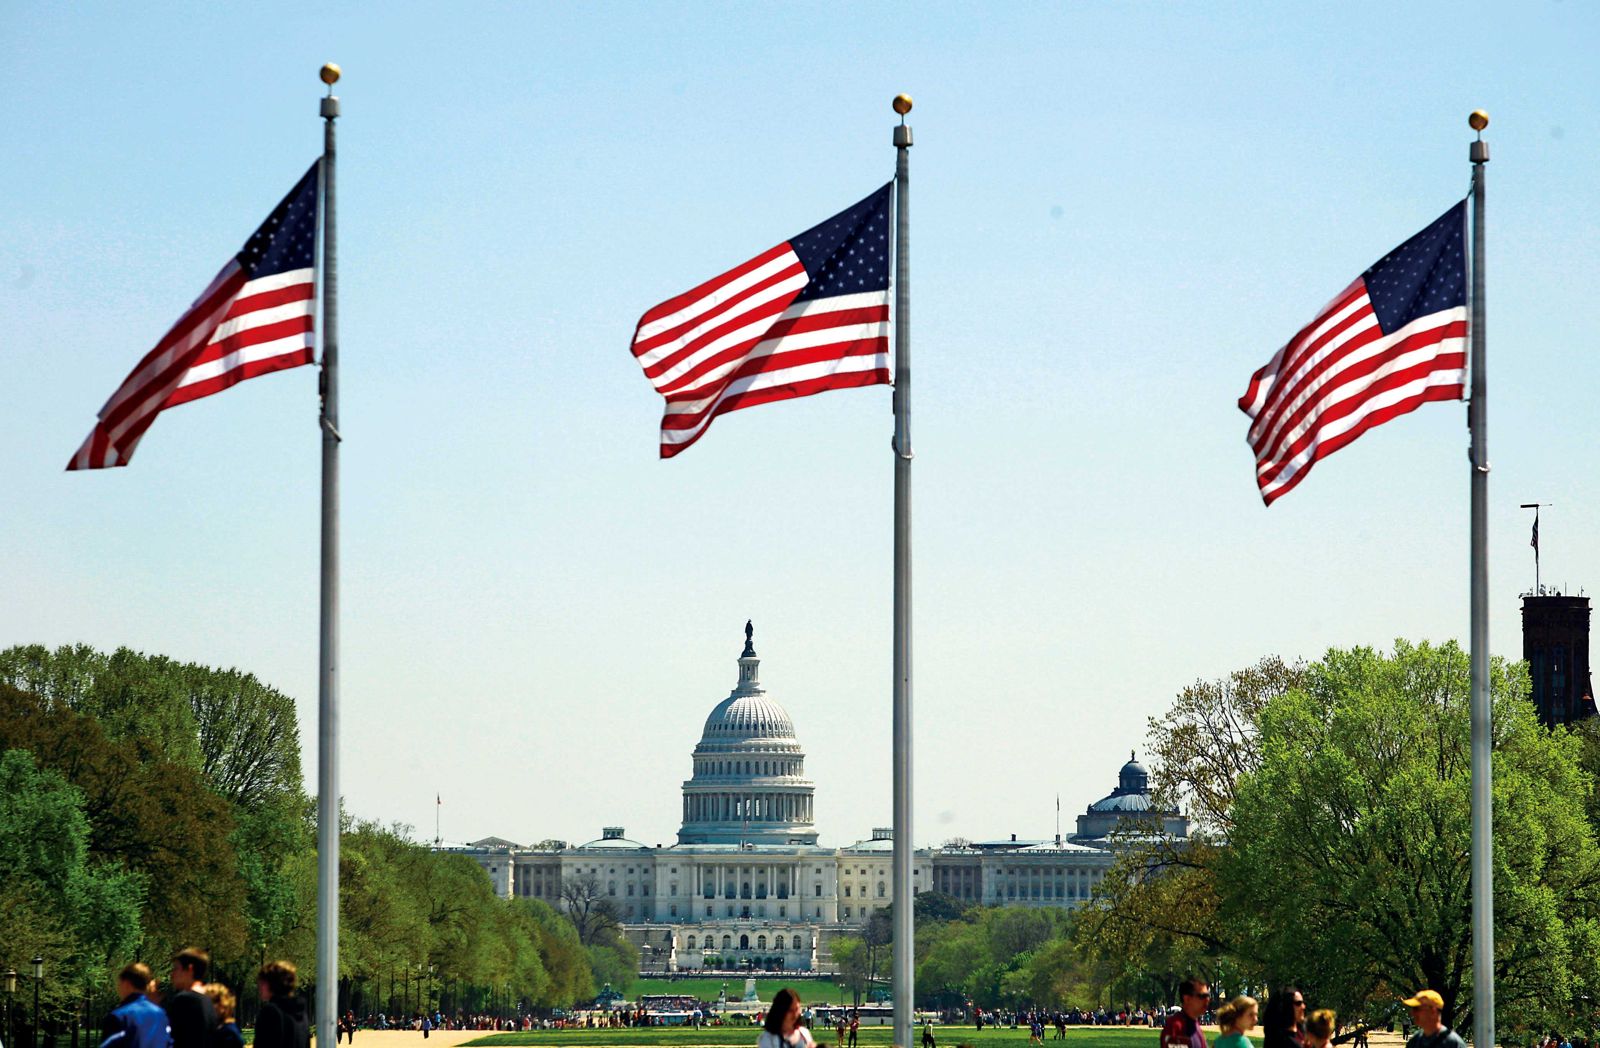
(809, 315)
(1390, 342)
(254, 318)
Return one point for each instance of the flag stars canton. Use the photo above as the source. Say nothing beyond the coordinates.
(849, 253)
(1425, 275)
(288, 238)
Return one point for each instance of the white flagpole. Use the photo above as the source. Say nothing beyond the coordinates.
(1482, 728)
(901, 982)
(327, 1003)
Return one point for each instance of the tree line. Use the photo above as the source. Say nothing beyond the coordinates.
(1332, 840)
(1330, 851)
(148, 804)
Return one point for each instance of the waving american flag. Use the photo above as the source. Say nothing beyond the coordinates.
(253, 319)
(809, 315)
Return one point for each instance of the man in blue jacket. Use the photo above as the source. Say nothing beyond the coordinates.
(136, 1022)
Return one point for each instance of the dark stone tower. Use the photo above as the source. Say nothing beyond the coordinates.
(1555, 643)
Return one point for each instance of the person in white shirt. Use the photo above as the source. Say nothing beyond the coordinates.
(782, 1028)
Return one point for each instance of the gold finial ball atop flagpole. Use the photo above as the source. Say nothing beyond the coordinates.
(330, 73)
(902, 104)
(1478, 120)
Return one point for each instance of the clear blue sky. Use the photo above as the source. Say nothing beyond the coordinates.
(1120, 211)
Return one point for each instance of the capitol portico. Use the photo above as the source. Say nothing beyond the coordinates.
(747, 879)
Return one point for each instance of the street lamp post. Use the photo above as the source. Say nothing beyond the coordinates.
(38, 977)
(11, 991)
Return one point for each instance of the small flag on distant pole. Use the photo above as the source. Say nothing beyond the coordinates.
(255, 318)
(1390, 342)
(809, 315)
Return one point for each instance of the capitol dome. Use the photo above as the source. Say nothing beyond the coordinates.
(749, 784)
(748, 717)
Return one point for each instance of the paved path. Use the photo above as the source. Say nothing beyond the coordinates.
(413, 1038)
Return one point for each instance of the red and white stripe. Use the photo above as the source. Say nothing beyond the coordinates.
(1341, 376)
(237, 329)
(740, 339)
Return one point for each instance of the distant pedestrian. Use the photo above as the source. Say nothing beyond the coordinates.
(855, 1026)
(188, 1008)
(226, 1034)
(1427, 1011)
(137, 1022)
(282, 1021)
(1235, 1020)
(842, 1026)
(1283, 1023)
(782, 1028)
(1183, 1028)
(927, 1036)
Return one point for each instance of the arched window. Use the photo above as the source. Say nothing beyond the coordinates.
(744, 890)
(691, 942)
(797, 945)
(744, 942)
(727, 943)
(880, 889)
(783, 889)
(761, 942)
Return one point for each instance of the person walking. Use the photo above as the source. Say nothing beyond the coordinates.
(1235, 1020)
(189, 1010)
(782, 1028)
(855, 1026)
(137, 1022)
(282, 1022)
(227, 1033)
(1183, 1028)
(1285, 1018)
(1427, 1012)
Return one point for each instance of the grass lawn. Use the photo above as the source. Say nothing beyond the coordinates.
(706, 988)
(877, 1036)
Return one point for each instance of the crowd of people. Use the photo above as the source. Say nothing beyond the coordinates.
(1285, 1023)
(190, 1012)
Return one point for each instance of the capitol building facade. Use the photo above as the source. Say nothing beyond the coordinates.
(748, 880)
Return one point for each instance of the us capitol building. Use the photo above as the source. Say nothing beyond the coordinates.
(747, 879)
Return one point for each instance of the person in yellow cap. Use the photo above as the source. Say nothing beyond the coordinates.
(1427, 1009)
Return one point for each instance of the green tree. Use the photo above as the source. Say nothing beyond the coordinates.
(1348, 869)
(566, 964)
(248, 737)
(1153, 920)
(146, 814)
(851, 959)
(55, 902)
